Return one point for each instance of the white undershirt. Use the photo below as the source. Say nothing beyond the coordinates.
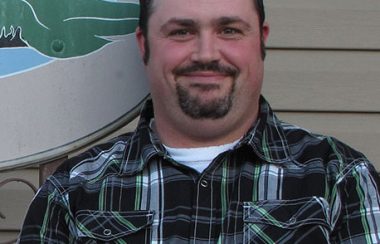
(198, 158)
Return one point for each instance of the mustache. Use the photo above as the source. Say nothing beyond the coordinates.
(209, 66)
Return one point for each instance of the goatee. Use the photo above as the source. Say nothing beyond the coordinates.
(193, 106)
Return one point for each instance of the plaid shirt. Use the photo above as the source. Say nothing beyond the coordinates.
(280, 184)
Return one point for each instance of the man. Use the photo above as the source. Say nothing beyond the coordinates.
(209, 161)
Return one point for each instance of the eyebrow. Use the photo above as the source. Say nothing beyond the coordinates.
(180, 22)
(222, 21)
(232, 20)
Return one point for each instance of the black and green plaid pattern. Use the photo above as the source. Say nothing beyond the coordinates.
(280, 184)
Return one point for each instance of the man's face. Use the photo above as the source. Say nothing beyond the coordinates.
(205, 57)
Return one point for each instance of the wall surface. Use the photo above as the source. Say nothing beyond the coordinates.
(322, 73)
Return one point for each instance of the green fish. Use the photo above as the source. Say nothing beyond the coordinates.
(67, 28)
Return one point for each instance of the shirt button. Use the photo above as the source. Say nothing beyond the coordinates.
(204, 183)
(107, 232)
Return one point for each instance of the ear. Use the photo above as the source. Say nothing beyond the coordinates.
(140, 41)
(265, 33)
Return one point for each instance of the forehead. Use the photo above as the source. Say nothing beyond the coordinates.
(163, 10)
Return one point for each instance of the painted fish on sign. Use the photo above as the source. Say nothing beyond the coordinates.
(65, 28)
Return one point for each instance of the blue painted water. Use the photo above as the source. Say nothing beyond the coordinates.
(20, 59)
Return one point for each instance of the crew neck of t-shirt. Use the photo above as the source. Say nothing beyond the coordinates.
(198, 158)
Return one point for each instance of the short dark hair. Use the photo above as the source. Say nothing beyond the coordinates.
(146, 10)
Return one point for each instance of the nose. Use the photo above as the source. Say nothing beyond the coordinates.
(206, 49)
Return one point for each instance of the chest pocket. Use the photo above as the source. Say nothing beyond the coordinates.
(111, 227)
(303, 220)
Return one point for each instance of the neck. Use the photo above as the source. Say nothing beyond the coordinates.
(191, 133)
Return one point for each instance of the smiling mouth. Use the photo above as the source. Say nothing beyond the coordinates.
(200, 78)
(204, 82)
(205, 76)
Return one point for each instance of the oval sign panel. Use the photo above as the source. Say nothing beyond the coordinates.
(70, 73)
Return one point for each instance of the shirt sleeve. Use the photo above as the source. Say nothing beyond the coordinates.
(47, 218)
(356, 205)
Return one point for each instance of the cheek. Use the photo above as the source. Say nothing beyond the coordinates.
(170, 54)
(248, 59)
(164, 57)
(241, 54)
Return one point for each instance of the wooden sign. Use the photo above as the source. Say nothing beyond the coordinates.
(70, 73)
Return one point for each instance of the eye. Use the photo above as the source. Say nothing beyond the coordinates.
(180, 33)
(230, 31)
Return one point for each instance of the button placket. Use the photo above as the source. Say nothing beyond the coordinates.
(203, 206)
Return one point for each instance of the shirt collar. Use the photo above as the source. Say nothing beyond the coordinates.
(266, 137)
(143, 144)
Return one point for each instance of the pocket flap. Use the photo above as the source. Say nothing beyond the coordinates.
(109, 225)
(288, 213)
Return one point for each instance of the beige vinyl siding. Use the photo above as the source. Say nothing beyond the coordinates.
(310, 80)
(324, 24)
(322, 72)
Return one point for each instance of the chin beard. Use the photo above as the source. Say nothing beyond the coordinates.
(194, 107)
